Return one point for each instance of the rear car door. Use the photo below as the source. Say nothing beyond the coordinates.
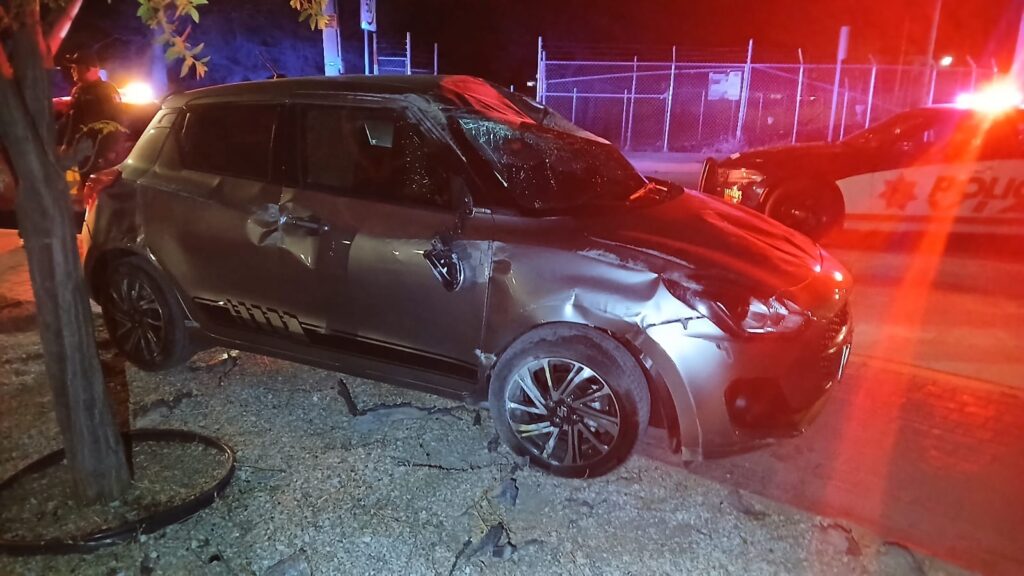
(403, 271)
(210, 212)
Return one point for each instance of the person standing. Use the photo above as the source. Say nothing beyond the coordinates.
(95, 105)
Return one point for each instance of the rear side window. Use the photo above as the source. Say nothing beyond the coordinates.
(230, 139)
(375, 154)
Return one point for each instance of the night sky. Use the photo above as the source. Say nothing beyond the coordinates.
(497, 39)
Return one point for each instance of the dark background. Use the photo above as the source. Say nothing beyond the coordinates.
(498, 39)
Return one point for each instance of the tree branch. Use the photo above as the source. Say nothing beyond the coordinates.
(58, 24)
(29, 58)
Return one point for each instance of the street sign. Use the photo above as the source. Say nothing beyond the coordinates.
(725, 85)
(368, 15)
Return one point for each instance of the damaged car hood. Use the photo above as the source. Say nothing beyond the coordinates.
(700, 232)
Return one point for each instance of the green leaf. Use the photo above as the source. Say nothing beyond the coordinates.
(194, 14)
(185, 67)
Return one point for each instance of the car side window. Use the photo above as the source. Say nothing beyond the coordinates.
(370, 153)
(229, 139)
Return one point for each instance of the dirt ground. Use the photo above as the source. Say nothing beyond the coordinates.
(415, 485)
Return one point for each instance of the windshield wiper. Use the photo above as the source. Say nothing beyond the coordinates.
(648, 189)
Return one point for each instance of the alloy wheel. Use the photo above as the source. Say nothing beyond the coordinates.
(137, 321)
(562, 411)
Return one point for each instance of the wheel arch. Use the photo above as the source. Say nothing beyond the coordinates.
(809, 181)
(665, 405)
(98, 265)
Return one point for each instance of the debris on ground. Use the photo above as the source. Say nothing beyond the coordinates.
(506, 493)
(295, 565)
(895, 558)
(742, 504)
(839, 537)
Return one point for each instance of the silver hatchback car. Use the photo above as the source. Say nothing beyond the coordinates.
(444, 234)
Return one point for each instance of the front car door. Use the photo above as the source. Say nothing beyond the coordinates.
(402, 270)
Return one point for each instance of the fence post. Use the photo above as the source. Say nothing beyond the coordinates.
(844, 39)
(632, 107)
(871, 92)
(574, 105)
(745, 93)
(931, 88)
(408, 53)
(376, 64)
(846, 100)
(668, 104)
(540, 65)
(625, 104)
(700, 119)
(544, 73)
(435, 59)
(799, 91)
(974, 72)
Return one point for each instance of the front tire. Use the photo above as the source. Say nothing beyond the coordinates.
(815, 210)
(571, 399)
(143, 317)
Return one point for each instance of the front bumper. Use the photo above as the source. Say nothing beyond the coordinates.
(742, 392)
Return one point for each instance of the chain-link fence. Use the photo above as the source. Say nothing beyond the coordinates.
(404, 57)
(715, 107)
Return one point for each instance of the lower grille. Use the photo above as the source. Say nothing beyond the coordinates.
(832, 357)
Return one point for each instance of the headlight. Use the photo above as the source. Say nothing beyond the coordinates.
(740, 176)
(742, 314)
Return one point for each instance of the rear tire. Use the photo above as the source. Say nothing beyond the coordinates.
(814, 210)
(143, 316)
(571, 399)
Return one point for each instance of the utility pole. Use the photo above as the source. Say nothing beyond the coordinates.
(929, 85)
(934, 31)
(334, 63)
(1017, 71)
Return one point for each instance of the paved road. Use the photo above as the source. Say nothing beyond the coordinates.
(906, 446)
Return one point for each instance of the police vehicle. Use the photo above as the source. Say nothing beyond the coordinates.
(961, 163)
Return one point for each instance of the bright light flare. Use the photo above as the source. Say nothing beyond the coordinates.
(999, 96)
(946, 61)
(137, 93)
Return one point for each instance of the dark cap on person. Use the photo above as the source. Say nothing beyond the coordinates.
(85, 58)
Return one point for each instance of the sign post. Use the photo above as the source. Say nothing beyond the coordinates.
(368, 22)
